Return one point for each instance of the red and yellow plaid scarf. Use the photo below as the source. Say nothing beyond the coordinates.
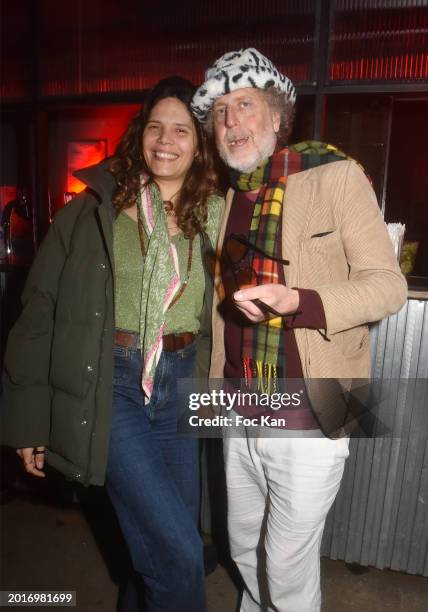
(263, 352)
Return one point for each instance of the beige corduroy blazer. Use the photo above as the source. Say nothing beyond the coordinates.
(353, 268)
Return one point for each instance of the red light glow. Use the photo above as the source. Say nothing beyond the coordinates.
(408, 67)
(82, 154)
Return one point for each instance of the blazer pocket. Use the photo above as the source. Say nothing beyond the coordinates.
(323, 241)
(323, 259)
(353, 342)
(322, 234)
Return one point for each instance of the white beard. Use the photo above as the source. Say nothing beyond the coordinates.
(265, 150)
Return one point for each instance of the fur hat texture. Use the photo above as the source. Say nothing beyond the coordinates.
(235, 70)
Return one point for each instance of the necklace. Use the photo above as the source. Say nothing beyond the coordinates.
(141, 232)
(186, 280)
(169, 208)
(169, 205)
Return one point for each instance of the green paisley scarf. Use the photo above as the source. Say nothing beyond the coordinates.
(161, 280)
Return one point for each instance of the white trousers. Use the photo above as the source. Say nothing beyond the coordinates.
(279, 493)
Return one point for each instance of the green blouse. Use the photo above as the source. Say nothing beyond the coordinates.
(128, 265)
(128, 262)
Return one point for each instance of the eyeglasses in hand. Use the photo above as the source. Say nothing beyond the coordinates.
(238, 250)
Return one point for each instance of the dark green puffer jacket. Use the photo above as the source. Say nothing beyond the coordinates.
(57, 383)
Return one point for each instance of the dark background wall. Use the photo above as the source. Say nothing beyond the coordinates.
(77, 71)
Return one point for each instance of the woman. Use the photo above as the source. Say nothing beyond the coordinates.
(138, 234)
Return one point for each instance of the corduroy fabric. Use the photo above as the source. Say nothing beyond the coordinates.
(262, 350)
(353, 268)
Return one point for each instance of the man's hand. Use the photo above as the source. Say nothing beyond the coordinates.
(281, 298)
(33, 460)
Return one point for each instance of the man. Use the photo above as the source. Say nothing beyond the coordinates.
(322, 267)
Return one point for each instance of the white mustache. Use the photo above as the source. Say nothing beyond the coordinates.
(232, 137)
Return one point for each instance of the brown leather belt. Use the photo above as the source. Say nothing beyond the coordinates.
(175, 342)
(127, 339)
(171, 342)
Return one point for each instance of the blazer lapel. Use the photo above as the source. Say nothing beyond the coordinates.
(299, 197)
(227, 207)
(218, 351)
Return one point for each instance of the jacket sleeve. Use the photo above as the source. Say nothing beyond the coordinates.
(375, 288)
(26, 401)
(310, 313)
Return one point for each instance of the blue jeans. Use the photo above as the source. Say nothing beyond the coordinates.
(153, 483)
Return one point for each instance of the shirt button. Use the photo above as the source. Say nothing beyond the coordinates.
(90, 368)
(84, 422)
(97, 313)
(103, 266)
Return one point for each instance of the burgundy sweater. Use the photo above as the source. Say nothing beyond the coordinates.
(311, 314)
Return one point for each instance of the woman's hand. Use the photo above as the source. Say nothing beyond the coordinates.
(33, 460)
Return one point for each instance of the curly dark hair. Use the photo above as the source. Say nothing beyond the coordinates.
(128, 163)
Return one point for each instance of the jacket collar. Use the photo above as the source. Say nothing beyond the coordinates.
(99, 180)
(102, 184)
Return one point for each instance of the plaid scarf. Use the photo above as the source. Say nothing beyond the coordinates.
(263, 351)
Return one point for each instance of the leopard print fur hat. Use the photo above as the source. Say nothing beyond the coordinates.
(235, 70)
